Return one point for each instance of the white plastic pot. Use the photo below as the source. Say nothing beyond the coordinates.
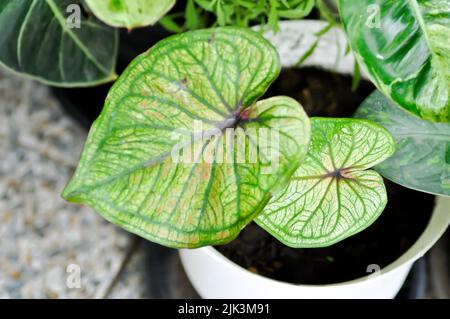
(214, 276)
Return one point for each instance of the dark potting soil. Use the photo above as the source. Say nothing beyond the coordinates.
(406, 215)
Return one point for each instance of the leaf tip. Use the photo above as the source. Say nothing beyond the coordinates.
(71, 193)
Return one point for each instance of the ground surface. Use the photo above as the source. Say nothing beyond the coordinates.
(46, 242)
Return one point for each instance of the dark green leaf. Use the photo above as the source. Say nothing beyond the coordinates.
(420, 161)
(40, 39)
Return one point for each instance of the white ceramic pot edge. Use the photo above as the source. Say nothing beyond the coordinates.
(214, 276)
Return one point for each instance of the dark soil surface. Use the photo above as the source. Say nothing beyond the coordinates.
(405, 217)
(321, 93)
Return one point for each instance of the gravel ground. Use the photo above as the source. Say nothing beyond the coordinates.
(46, 242)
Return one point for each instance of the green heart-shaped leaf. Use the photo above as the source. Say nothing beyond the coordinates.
(332, 195)
(130, 13)
(204, 80)
(422, 158)
(404, 47)
(41, 38)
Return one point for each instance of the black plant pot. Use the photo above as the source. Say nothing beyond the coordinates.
(415, 285)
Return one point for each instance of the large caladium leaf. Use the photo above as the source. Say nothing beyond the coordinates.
(332, 195)
(138, 171)
(422, 158)
(41, 39)
(404, 46)
(130, 13)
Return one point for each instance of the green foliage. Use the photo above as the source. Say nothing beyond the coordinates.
(37, 41)
(130, 13)
(242, 13)
(208, 80)
(423, 148)
(333, 194)
(404, 47)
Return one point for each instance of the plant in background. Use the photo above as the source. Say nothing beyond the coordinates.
(410, 65)
(241, 13)
(321, 190)
(42, 44)
(130, 14)
(38, 40)
(411, 62)
(128, 173)
(333, 194)
(422, 160)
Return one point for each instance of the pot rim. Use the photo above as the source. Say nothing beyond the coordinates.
(437, 225)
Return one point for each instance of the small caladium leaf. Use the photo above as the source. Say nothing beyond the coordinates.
(404, 47)
(332, 195)
(421, 160)
(130, 13)
(52, 41)
(172, 156)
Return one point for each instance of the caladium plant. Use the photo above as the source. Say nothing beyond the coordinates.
(333, 194)
(205, 85)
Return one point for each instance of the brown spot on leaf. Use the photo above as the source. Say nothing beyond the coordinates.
(145, 91)
(212, 38)
(143, 104)
(245, 114)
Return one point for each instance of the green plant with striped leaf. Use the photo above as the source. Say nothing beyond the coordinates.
(333, 194)
(130, 169)
(39, 41)
(404, 47)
